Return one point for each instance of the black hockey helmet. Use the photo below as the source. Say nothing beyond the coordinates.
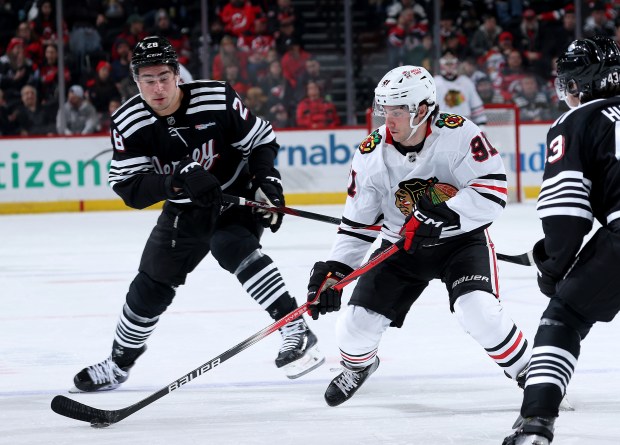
(153, 50)
(577, 67)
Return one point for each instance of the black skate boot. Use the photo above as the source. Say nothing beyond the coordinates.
(299, 353)
(347, 383)
(110, 373)
(532, 431)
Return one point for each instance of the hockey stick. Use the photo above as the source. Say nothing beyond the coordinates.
(280, 209)
(100, 418)
(524, 259)
(107, 150)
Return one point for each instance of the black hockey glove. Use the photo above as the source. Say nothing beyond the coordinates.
(269, 190)
(202, 187)
(425, 223)
(546, 282)
(323, 276)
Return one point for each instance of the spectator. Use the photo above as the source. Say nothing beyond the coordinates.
(256, 46)
(456, 43)
(315, 112)
(8, 21)
(15, 71)
(233, 77)
(228, 55)
(283, 13)
(32, 118)
(312, 73)
(238, 16)
(48, 75)
(485, 38)
(120, 65)
(133, 33)
(32, 45)
(512, 72)
(165, 28)
(557, 37)
(528, 40)
(470, 68)
(277, 88)
(533, 102)
(488, 93)
(7, 118)
(505, 43)
(80, 116)
(420, 53)
(102, 88)
(397, 37)
(285, 36)
(279, 116)
(113, 105)
(393, 11)
(294, 62)
(44, 25)
(256, 101)
(597, 23)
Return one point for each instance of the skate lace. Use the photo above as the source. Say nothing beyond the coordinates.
(347, 380)
(292, 334)
(105, 372)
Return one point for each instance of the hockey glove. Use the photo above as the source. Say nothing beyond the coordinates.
(425, 223)
(546, 283)
(202, 187)
(323, 276)
(270, 191)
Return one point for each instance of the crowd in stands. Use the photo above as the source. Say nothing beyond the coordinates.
(506, 48)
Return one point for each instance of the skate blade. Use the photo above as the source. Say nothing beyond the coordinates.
(565, 405)
(75, 390)
(311, 360)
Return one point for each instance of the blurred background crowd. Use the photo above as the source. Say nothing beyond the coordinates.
(283, 57)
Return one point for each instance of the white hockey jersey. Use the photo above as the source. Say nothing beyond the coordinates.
(456, 164)
(459, 96)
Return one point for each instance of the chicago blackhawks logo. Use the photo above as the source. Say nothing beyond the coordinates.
(370, 142)
(450, 120)
(454, 98)
(410, 191)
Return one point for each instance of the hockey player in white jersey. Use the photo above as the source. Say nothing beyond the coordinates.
(457, 93)
(434, 179)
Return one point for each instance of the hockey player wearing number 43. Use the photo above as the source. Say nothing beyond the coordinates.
(434, 179)
(581, 182)
(184, 144)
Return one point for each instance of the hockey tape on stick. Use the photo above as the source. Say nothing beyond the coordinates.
(524, 259)
(280, 209)
(100, 418)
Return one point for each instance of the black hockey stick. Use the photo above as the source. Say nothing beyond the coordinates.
(102, 152)
(280, 209)
(100, 418)
(524, 259)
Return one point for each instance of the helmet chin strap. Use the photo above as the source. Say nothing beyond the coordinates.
(414, 128)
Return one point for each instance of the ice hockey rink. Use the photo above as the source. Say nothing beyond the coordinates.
(63, 279)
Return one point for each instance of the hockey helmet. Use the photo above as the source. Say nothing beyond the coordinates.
(153, 50)
(407, 86)
(449, 66)
(577, 68)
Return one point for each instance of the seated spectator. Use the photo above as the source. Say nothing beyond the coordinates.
(597, 22)
(505, 43)
(120, 65)
(256, 46)
(32, 44)
(48, 75)
(533, 102)
(276, 87)
(165, 28)
(106, 119)
(7, 118)
(528, 39)
(15, 71)
(80, 116)
(470, 68)
(256, 101)
(512, 72)
(313, 73)
(285, 36)
(32, 118)
(228, 55)
(133, 33)
(485, 37)
(279, 116)
(393, 11)
(315, 112)
(44, 24)
(420, 53)
(283, 13)
(488, 93)
(294, 62)
(238, 16)
(232, 76)
(102, 88)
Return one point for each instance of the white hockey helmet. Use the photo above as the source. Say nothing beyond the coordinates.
(406, 86)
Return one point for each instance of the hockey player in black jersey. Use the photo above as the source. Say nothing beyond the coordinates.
(184, 144)
(581, 183)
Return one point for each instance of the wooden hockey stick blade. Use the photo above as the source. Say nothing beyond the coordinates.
(280, 209)
(100, 418)
(524, 259)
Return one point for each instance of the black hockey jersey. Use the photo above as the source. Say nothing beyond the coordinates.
(581, 180)
(212, 125)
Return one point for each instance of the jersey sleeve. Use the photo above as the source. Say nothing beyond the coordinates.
(362, 215)
(132, 175)
(563, 203)
(479, 169)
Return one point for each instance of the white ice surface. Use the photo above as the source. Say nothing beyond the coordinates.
(63, 280)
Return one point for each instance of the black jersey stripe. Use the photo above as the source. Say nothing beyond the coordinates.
(490, 197)
(368, 239)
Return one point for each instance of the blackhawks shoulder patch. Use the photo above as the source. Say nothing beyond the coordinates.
(370, 143)
(449, 120)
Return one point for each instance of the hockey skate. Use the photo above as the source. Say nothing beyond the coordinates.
(347, 383)
(532, 431)
(299, 353)
(565, 404)
(108, 374)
